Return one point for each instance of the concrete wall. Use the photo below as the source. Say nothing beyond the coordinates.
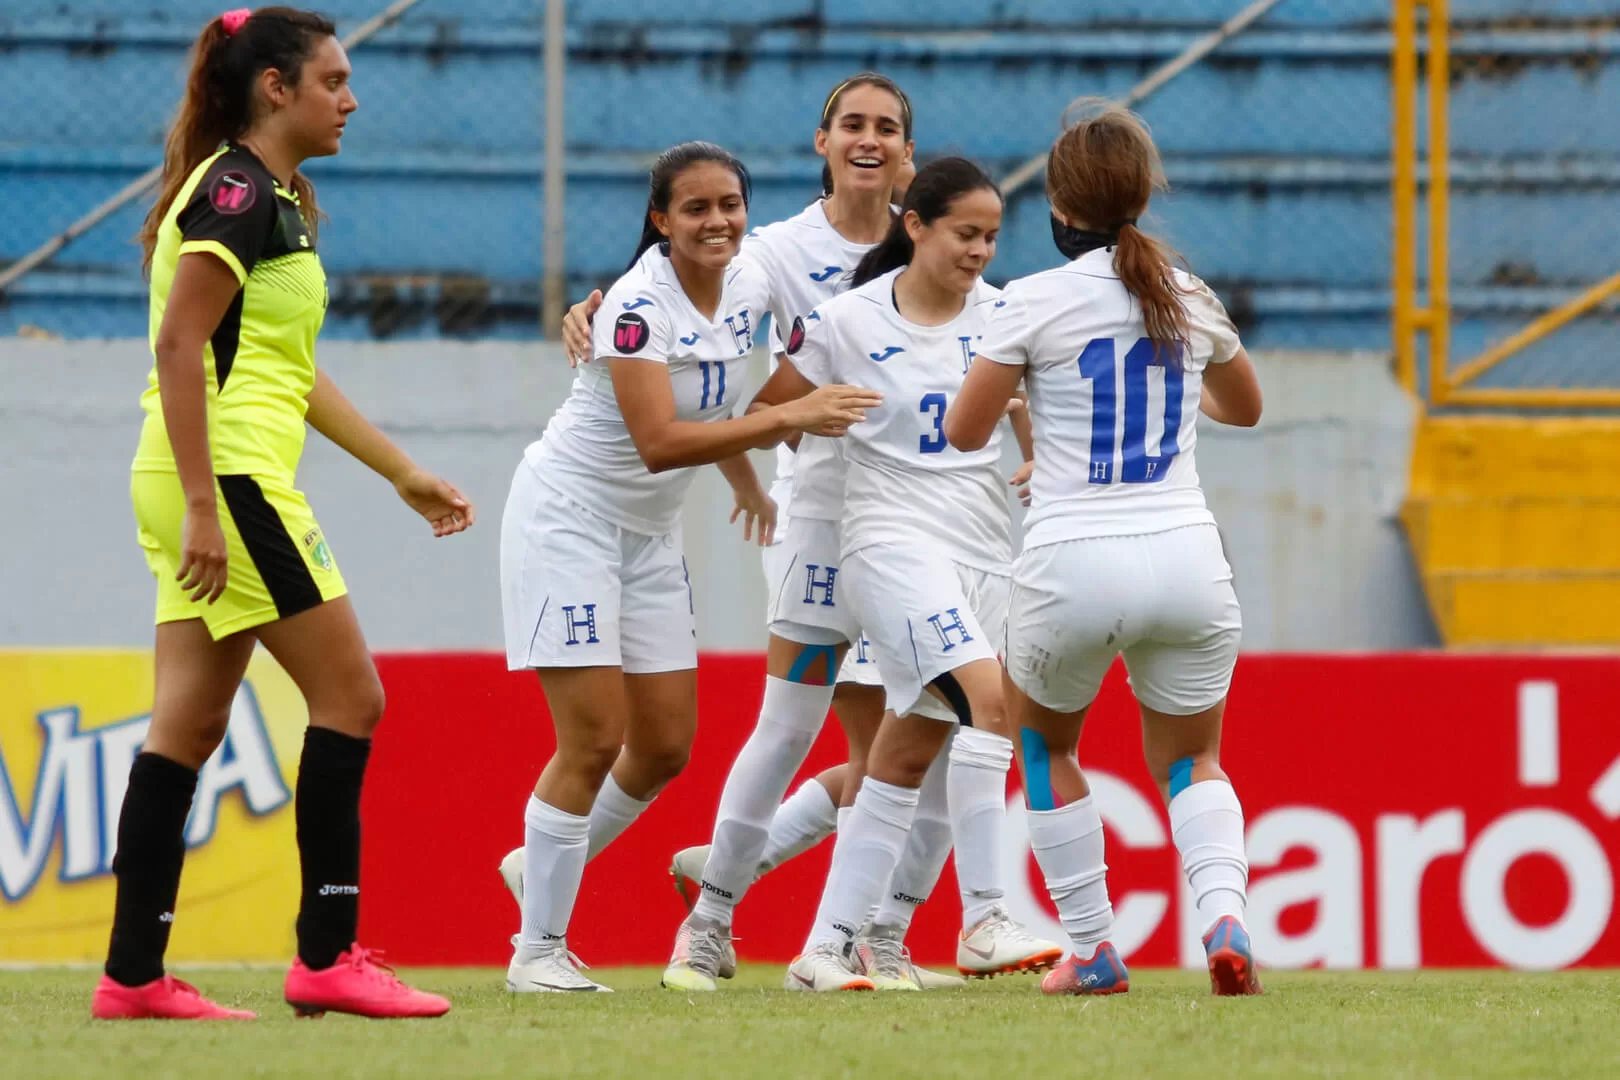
(1306, 501)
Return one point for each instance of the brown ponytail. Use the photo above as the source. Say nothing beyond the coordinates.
(1100, 175)
(219, 100)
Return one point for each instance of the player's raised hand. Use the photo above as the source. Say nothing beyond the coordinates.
(445, 508)
(202, 555)
(576, 329)
(831, 409)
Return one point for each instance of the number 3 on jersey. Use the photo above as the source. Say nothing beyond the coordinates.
(934, 443)
(1137, 466)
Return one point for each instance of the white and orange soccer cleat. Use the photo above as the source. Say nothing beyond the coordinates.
(823, 970)
(995, 945)
(699, 952)
(554, 970)
(686, 870)
(881, 955)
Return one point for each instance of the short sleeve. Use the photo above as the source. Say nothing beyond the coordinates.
(633, 326)
(1008, 333)
(809, 348)
(231, 215)
(1208, 320)
(760, 261)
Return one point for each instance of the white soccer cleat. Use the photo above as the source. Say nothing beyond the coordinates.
(937, 980)
(823, 970)
(554, 971)
(512, 874)
(881, 955)
(995, 945)
(699, 952)
(686, 868)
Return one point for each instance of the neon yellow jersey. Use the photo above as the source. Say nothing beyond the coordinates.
(260, 360)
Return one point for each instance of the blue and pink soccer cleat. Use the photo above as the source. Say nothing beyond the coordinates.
(1232, 970)
(1104, 973)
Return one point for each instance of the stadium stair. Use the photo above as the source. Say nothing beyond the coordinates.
(1514, 523)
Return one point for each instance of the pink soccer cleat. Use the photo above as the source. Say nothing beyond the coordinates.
(161, 999)
(358, 983)
(1104, 973)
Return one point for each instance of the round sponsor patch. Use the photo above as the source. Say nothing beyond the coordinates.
(630, 333)
(233, 192)
(795, 339)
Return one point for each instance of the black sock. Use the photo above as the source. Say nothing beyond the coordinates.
(151, 851)
(328, 813)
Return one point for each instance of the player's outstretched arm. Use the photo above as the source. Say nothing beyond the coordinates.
(981, 403)
(438, 501)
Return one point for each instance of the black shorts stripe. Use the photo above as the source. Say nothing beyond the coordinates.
(275, 554)
(957, 697)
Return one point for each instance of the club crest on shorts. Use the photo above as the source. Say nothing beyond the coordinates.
(233, 192)
(795, 340)
(319, 553)
(630, 333)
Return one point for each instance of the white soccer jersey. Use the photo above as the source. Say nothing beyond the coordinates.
(905, 482)
(586, 452)
(808, 261)
(1115, 425)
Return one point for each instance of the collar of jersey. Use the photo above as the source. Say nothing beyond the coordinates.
(290, 196)
(1098, 262)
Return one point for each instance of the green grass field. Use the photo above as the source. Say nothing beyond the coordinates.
(1363, 1024)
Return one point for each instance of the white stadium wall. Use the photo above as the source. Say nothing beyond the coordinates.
(1306, 501)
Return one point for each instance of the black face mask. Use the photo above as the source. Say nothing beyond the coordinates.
(1073, 242)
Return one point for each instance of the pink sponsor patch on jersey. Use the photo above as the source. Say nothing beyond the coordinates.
(233, 193)
(795, 339)
(630, 333)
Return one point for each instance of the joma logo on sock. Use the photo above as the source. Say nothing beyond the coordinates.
(847, 931)
(717, 891)
(340, 890)
(907, 898)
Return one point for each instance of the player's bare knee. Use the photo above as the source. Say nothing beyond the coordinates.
(663, 762)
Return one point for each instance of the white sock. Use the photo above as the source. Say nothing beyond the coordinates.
(977, 785)
(553, 863)
(1068, 845)
(611, 814)
(1206, 821)
(790, 717)
(925, 852)
(807, 818)
(863, 860)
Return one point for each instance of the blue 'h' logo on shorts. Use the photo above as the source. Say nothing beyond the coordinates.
(944, 629)
(588, 624)
(812, 584)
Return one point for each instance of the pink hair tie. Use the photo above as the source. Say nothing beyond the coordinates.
(232, 20)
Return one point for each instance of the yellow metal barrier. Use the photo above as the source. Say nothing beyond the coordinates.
(1445, 385)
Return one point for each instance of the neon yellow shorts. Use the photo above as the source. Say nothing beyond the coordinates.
(277, 562)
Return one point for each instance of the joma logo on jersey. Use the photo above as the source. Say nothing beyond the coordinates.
(587, 623)
(690, 339)
(79, 791)
(742, 331)
(826, 273)
(892, 350)
(640, 301)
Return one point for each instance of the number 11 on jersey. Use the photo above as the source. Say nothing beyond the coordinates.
(1137, 466)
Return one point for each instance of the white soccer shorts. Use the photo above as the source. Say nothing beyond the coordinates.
(579, 591)
(925, 614)
(808, 599)
(1164, 600)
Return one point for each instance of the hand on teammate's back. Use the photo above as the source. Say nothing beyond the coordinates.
(831, 409)
(1020, 480)
(202, 555)
(576, 329)
(445, 508)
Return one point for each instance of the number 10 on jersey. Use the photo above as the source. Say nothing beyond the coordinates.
(1137, 466)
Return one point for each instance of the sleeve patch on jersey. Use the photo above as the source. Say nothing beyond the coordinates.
(630, 333)
(233, 193)
(795, 340)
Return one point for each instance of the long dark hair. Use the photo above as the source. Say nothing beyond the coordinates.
(1101, 173)
(661, 183)
(218, 102)
(937, 185)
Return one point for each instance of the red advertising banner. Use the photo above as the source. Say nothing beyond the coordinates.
(1403, 810)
